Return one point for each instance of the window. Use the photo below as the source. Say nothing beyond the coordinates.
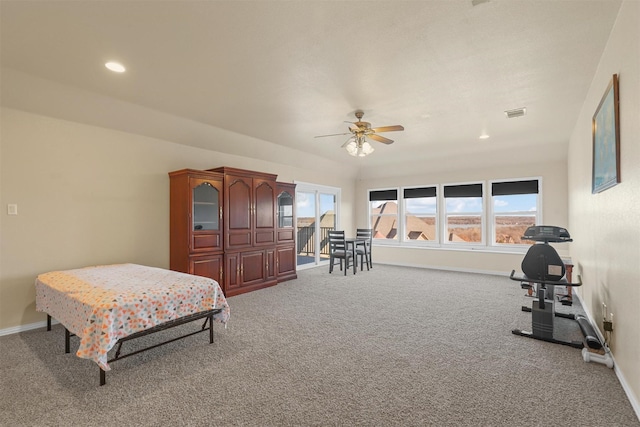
(514, 208)
(463, 213)
(420, 214)
(383, 214)
(476, 215)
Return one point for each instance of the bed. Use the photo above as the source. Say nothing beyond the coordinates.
(110, 304)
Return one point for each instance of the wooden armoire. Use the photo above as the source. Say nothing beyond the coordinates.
(233, 225)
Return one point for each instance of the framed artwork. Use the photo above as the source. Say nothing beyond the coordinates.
(606, 140)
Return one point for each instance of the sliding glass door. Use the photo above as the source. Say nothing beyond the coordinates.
(306, 214)
(317, 212)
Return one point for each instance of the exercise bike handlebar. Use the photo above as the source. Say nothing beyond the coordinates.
(561, 282)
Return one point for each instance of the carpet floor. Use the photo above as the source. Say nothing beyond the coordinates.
(393, 346)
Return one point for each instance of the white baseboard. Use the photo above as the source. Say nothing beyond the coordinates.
(623, 382)
(625, 386)
(428, 267)
(23, 328)
(456, 269)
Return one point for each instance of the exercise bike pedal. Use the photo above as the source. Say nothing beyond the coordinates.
(565, 300)
(525, 285)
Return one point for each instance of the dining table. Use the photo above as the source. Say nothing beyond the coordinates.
(352, 242)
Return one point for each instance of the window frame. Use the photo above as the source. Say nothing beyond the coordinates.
(483, 226)
(403, 203)
(492, 213)
(317, 191)
(378, 240)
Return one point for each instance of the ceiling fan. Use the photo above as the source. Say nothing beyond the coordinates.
(357, 144)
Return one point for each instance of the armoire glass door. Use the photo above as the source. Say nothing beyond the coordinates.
(205, 207)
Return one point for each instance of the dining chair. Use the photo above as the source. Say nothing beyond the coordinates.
(363, 249)
(338, 250)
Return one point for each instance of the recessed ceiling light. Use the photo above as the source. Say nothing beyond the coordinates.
(484, 136)
(115, 66)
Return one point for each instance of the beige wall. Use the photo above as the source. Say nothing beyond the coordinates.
(607, 225)
(88, 195)
(554, 212)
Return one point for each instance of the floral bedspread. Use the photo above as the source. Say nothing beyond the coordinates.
(102, 304)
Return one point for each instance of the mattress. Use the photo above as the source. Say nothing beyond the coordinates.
(102, 304)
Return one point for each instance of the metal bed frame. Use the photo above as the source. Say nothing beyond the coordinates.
(207, 315)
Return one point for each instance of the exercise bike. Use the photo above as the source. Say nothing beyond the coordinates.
(543, 270)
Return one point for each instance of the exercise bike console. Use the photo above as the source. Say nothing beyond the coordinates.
(547, 233)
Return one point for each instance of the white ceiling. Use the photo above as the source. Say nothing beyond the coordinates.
(286, 71)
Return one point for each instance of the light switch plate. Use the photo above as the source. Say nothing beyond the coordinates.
(12, 209)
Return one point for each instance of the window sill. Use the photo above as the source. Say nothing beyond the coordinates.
(520, 249)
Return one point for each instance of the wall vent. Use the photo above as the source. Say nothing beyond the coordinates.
(518, 112)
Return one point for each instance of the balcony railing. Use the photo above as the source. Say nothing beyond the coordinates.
(307, 242)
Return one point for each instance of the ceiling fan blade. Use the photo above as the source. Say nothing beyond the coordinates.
(388, 128)
(380, 138)
(333, 134)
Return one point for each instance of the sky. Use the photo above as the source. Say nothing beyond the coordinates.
(512, 203)
(305, 204)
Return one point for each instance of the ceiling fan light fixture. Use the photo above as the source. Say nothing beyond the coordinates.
(365, 149)
(359, 148)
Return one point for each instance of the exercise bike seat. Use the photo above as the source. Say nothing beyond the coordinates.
(543, 265)
(542, 262)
